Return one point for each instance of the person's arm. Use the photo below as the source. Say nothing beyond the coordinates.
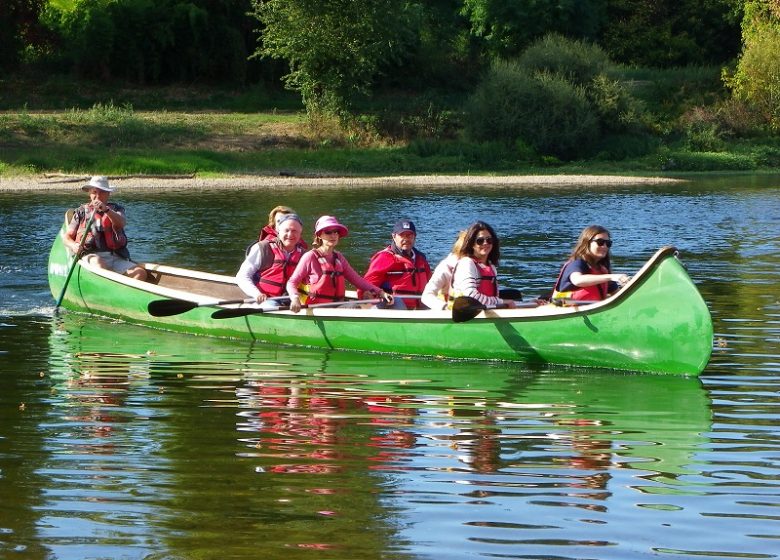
(439, 282)
(259, 259)
(466, 282)
(301, 274)
(361, 283)
(584, 280)
(376, 274)
(116, 214)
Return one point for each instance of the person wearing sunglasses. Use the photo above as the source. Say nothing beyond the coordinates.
(587, 275)
(475, 272)
(400, 267)
(321, 273)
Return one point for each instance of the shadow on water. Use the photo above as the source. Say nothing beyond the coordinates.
(154, 444)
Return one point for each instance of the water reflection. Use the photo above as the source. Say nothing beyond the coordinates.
(342, 452)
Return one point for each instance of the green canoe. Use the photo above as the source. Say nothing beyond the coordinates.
(657, 323)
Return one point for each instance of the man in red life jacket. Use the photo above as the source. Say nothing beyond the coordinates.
(400, 268)
(105, 244)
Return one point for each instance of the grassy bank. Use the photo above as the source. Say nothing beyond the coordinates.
(195, 134)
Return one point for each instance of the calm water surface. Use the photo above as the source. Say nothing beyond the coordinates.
(123, 442)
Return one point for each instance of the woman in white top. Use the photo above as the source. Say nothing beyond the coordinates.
(437, 289)
(475, 273)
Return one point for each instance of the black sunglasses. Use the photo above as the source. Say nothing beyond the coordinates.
(482, 240)
(602, 242)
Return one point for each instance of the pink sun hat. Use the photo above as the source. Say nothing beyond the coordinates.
(330, 222)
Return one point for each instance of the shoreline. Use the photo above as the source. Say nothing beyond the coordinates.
(73, 182)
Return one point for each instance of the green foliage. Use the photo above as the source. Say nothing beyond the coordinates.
(757, 78)
(543, 110)
(616, 108)
(508, 27)
(334, 49)
(159, 41)
(679, 160)
(702, 130)
(669, 33)
(578, 62)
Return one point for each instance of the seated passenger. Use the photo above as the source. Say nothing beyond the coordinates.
(270, 263)
(321, 272)
(436, 291)
(400, 268)
(475, 272)
(587, 275)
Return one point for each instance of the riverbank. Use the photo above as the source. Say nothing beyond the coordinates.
(45, 183)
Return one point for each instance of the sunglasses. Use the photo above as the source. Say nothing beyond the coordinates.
(602, 242)
(482, 240)
(329, 231)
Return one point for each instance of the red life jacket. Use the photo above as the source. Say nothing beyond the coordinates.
(596, 292)
(102, 235)
(488, 285)
(268, 233)
(330, 286)
(273, 280)
(407, 277)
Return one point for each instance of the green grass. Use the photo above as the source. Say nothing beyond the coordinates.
(177, 131)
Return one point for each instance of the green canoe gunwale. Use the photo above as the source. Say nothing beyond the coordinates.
(657, 323)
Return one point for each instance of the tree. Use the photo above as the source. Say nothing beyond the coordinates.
(334, 48)
(18, 29)
(665, 33)
(509, 26)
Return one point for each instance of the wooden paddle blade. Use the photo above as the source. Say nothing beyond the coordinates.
(236, 312)
(168, 307)
(510, 293)
(465, 309)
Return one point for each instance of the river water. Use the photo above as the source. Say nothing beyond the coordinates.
(118, 441)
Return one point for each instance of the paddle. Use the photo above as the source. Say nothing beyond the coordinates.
(510, 293)
(465, 308)
(241, 312)
(168, 307)
(76, 258)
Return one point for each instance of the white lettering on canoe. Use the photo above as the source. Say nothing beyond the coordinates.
(58, 269)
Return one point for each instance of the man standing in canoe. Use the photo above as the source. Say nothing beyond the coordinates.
(400, 268)
(105, 244)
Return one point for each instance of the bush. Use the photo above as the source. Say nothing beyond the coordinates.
(578, 62)
(702, 130)
(616, 108)
(544, 111)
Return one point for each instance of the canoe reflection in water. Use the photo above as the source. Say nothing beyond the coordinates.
(502, 430)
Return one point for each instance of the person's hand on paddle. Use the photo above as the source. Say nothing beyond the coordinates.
(261, 297)
(295, 304)
(621, 279)
(384, 296)
(509, 304)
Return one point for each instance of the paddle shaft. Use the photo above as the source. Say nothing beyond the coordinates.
(168, 307)
(73, 262)
(239, 312)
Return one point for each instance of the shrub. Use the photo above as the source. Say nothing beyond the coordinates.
(577, 61)
(544, 111)
(702, 130)
(617, 109)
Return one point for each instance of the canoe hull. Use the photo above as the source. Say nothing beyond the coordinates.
(659, 323)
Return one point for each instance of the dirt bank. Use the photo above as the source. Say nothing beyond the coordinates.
(67, 183)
